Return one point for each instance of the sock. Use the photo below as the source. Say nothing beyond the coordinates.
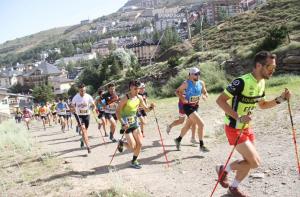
(134, 158)
(228, 168)
(111, 135)
(179, 139)
(235, 183)
(201, 143)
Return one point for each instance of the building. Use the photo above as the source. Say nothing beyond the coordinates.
(215, 11)
(60, 85)
(146, 51)
(76, 58)
(9, 77)
(40, 74)
(85, 22)
(168, 17)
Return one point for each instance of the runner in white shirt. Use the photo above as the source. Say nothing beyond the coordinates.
(81, 106)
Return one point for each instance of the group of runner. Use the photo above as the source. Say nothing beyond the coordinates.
(238, 101)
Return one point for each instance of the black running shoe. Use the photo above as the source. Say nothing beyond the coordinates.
(81, 143)
(177, 143)
(120, 146)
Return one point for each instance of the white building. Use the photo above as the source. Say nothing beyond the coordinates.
(76, 58)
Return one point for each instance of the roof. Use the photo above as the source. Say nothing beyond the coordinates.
(45, 68)
(61, 80)
(142, 43)
(10, 73)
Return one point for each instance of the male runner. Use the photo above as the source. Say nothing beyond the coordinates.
(239, 98)
(190, 92)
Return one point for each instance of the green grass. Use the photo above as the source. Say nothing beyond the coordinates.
(14, 136)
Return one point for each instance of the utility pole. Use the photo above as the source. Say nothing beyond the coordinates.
(201, 32)
(188, 24)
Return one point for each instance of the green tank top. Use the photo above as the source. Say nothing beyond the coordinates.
(244, 92)
(131, 107)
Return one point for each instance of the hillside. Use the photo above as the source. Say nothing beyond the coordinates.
(161, 3)
(248, 29)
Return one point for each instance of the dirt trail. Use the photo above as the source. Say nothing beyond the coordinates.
(191, 173)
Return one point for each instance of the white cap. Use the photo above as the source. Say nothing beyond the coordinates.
(142, 85)
(194, 70)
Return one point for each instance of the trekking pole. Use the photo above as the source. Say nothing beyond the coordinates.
(294, 135)
(161, 139)
(116, 150)
(100, 128)
(228, 159)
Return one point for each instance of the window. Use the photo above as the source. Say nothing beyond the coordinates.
(4, 101)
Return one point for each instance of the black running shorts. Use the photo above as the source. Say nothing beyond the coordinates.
(189, 109)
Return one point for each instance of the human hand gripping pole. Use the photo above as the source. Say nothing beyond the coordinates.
(294, 135)
(162, 143)
(229, 157)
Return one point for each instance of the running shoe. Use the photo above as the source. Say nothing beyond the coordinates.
(224, 179)
(177, 144)
(120, 146)
(81, 143)
(194, 142)
(135, 164)
(235, 192)
(168, 130)
(89, 150)
(204, 149)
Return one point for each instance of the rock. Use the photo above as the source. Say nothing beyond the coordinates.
(283, 183)
(66, 162)
(257, 175)
(291, 60)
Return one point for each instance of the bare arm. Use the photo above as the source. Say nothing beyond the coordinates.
(222, 102)
(204, 91)
(119, 109)
(180, 92)
(263, 104)
(143, 104)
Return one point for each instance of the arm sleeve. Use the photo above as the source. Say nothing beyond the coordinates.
(234, 88)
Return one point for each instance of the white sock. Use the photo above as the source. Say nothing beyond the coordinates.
(235, 183)
(228, 168)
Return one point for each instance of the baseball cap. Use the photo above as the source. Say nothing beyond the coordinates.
(194, 70)
(142, 85)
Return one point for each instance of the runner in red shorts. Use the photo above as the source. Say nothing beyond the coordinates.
(237, 100)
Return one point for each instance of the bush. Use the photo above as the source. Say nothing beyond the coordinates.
(174, 61)
(14, 136)
(213, 77)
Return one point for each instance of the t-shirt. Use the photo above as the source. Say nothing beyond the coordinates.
(61, 108)
(244, 92)
(82, 104)
(43, 111)
(110, 101)
(27, 113)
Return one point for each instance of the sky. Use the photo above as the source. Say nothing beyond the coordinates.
(20, 18)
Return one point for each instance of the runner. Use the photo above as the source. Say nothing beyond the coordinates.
(27, 115)
(61, 109)
(100, 104)
(180, 120)
(18, 115)
(239, 98)
(36, 111)
(68, 116)
(126, 113)
(81, 104)
(43, 112)
(53, 112)
(49, 115)
(111, 99)
(141, 114)
(190, 92)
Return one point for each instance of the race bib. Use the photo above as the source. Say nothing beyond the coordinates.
(82, 111)
(194, 99)
(131, 120)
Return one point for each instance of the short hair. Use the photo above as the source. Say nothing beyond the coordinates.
(110, 85)
(135, 83)
(262, 56)
(100, 90)
(81, 85)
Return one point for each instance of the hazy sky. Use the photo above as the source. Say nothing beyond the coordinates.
(19, 18)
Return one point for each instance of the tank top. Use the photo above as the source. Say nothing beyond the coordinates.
(193, 92)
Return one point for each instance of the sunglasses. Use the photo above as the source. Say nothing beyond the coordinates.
(197, 74)
(271, 67)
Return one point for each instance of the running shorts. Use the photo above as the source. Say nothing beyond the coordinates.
(189, 109)
(233, 133)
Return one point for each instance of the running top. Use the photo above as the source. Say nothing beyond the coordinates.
(129, 111)
(82, 104)
(193, 92)
(43, 111)
(110, 102)
(53, 108)
(100, 103)
(61, 108)
(244, 92)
